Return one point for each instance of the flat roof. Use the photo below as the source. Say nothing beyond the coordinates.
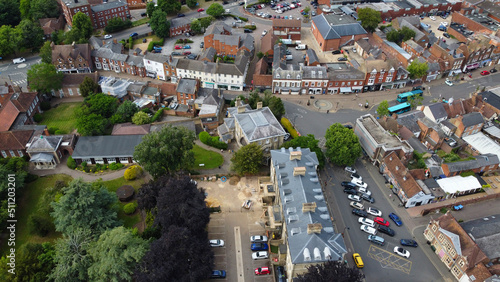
(458, 183)
(380, 135)
(483, 144)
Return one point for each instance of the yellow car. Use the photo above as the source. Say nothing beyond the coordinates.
(357, 260)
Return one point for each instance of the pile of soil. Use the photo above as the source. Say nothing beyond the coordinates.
(234, 180)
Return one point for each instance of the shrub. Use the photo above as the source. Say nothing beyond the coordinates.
(37, 117)
(206, 139)
(243, 19)
(58, 132)
(130, 208)
(115, 166)
(155, 43)
(288, 126)
(52, 130)
(130, 43)
(157, 115)
(39, 225)
(71, 163)
(467, 173)
(252, 27)
(443, 210)
(132, 172)
(45, 106)
(84, 164)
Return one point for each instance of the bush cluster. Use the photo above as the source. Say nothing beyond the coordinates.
(132, 172)
(206, 139)
(155, 43)
(37, 117)
(45, 106)
(71, 163)
(243, 19)
(252, 27)
(157, 115)
(289, 127)
(130, 208)
(115, 166)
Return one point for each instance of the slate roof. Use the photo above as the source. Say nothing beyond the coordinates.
(409, 120)
(295, 191)
(177, 22)
(232, 40)
(364, 44)
(160, 58)
(130, 129)
(480, 161)
(486, 234)
(217, 28)
(335, 26)
(238, 68)
(71, 50)
(491, 98)
(415, 46)
(311, 54)
(314, 72)
(103, 52)
(186, 85)
(279, 53)
(106, 146)
(472, 119)
(438, 111)
(341, 72)
(208, 53)
(108, 5)
(259, 124)
(44, 144)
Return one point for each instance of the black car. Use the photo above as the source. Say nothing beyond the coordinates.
(180, 15)
(386, 230)
(351, 191)
(359, 212)
(241, 3)
(348, 126)
(493, 70)
(367, 198)
(247, 30)
(336, 52)
(225, 2)
(418, 88)
(348, 185)
(176, 54)
(446, 35)
(409, 243)
(342, 59)
(143, 14)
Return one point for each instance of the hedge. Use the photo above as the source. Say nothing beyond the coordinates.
(157, 115)
(243, 19)
(206, 139)
(154, 43)
(115, 166)
(252, 27)
(289, 127)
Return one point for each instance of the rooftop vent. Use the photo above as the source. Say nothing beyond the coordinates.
(294, 231)
(324, 216)
(328, 229)
(293, 218)
(323, 209)
(310, 164)
(291, 210)
(299, 170)
(285, 181)
(287, 192)
(309, 207)
(319, 197)
(288, 199)
(314, 228)
(314, 180)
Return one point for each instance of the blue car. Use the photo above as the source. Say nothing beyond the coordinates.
(157, 48)
(187, 47)
(134, 34)
(409, 243)
(396, 219)
(218, 274)
(259, 247)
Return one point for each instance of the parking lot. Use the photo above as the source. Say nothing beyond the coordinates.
(294, 13)
(434, 24)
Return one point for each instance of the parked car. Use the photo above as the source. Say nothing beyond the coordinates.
(364, 191)
(396, 219)
(201, 10)
(442, 28)
(446, 35)
(409, 243)
(108, 36)
(191, 57)
(264, 32)
(376, 239)
(217, 243)
(449, 83)
(356, 205)
(280, 273)
(359, 212)
(258, 239)
(218, 274)
(367, 198)
(432, 18)
(350, 191)
(354, 198)
(357, 260)
(259, 247)
(348, 185)
(186, 47)
(366, 221)
(368, 229)
(177, 47)
(186, 53)
(135, 34)
(262, 271)
(348, 126)
(247, 30)
(260, 255)
(381, 221)
(374, 211)
(401, 252)
(176, 54)
(386, 230)
(180, 15)
(143, 14)
(342, 59)
(485, 72)
(444, 23)
(355, 175)
(19, 60)
(493, 70)
(241, 3)
(202, 44)
(359, 183)
(348, 168)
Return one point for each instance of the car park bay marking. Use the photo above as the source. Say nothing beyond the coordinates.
(389, 260)
(239, 254)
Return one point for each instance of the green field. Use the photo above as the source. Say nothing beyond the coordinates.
(211, 159)
(62, 117)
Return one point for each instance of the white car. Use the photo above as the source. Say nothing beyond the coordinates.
(444, 23)
(368, 229)
(449, 83)
(217, 243)
(357, 205)
(108, 36)
(19, 60)
(374, 211)
(350, 169)
(357, 176)
(402, 252)
(354, 198)
(279, 11)
(359, 183)
(366, 221)
(259, 14)
(264, 32)
(260, 255)
(432, 18)
(258, 239)
(364, 191)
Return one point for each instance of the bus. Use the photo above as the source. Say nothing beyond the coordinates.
(403, 97)
(400, 108)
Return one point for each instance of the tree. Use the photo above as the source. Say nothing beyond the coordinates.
(369, 18)
(46, 53)
(150, 8)
(115, 255)
(307, 9)
(260, 55)
(397, 36)
(9, 13)
(34, 262)
(81, 31)
(342, 145)
(247, 159)
(159, 23)
(7, 42)
(417, 69)
(18, 167)
(206, 21)
(58, 37)
(166, 151)
(44, 9)
(127, 110)
(383, 108)
(24, 8)
(85, 205)
(140, 118)
(28, 35)
(72, 258)
(415, 101)
(393, 36)
(215, 10)
(101, 104)
(276, 106)
(44, 77)
(407, 33)
(196, 26)
(117, 24)
(254, 98)
(191, 3)
(169, 6)
(91, 124)
(331, 271)
(89, 87)
(310, 142)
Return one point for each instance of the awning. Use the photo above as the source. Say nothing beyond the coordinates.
(476, 65)
(357, 87)
(345, 89)
(42, 158)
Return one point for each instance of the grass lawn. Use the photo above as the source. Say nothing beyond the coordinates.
(211, 159)
(140, 22)
(152, 37)
(62, 117)
(27, 205)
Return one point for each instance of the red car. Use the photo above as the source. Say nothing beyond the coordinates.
(485, 72)
(381, 221)
(186, 53)
(262, 271)
(177, 47)
(201, 10)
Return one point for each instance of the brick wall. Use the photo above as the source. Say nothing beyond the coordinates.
(470, 24)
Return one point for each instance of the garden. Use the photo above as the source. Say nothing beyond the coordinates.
(61, 118)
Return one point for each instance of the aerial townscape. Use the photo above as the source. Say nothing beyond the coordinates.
(250, 140)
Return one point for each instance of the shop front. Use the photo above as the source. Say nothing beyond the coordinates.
(345, 90)
(471, 67)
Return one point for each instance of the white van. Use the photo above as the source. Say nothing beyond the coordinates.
(19, 60)
(289, 57)
(301, 47)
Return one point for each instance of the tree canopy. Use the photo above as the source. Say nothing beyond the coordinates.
(140, 118)
(125, 112)
(34, 262)
(191, 3)
(72, 258)
(117, 24)
(101, 104)
(40, 9)
(342, 145)
(369, 18)
(44, 77)
(417, 69)
(166, 151)
(88, 87)
(7, 42)
(28, 34)
(247, 159)
(46, 53)
(216, 10)
(150, 8)
(169, 6)
(159, 23)
(9, 13)
(310, 142)
(383, 108)
(19, 167)
(81, 30)
(402, 35)
(331, 271)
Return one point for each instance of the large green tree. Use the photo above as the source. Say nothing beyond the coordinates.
(369, 18)
(166, 151)
(44, 78)
(8, 166)
(215, 10)
(383, 108)
(7, 42)
(398, 36)
(159, 23)
(150, 8)
(140, 118)
(169, 6)
(72, 258)
(24, 8)
(89, 87)
(44, 9)
(101, 104)
(117, 24)
(196, 26)
(125, 112)
(9, 13)
(85, 205)
(90, 124)
(248, 159)
(310, 142)
(206, 22)
(331, 271)
(81, 30)
(46, 53)
(342, 145)
(417, 69)
(275, 104)
(34, 262)
(191, 3)
(28, 34)
(115, 255)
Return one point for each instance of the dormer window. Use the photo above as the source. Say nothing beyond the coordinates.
(298, 76)
(288, 76)
(277, 75)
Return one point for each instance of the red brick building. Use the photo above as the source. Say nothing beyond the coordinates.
(179, 26)
(74, 58)
(287, 29)
(220, 37)
(110, 56)
(100, 12)
(333, 31)
(187, 90)
(392, 10)
(18, 109)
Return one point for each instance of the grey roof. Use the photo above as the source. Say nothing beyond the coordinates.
(233, 40)
(279, 53)
(413, 20)
(398, 49)
(341, 72)
(491, 98)
(259, 124)
(404, 4)
(314, 72)
(208, 53)
(335, 26)
(176, 22)
(438, 110)
(417, 145)
(414, 45)
(364, 44)
(135, 61)
(455, 239)
(110, 146)
(217, 28)
(136, 87)
(247, 41)
(44, 144)
(157, 57)
(41, 157)
(186, 85)
(433, 67)
(418, 34)
(107, 53)
(210, 96)
(202, 66)
(238, 68)
(486, 234)
(472, 119)
(107, 6)
(409, 120)
(311, 54)
(95, 42)
(295, 191)
(480, 161)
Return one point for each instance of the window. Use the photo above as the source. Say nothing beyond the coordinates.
(355, 83)
(275, 139)
(11, 153)
(20, 153)
(70, 91)
(456, 272)
(4, 154)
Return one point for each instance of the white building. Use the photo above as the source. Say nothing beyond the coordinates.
(154, 65)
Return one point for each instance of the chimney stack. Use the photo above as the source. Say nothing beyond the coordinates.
(115, 40)
(241, 109)
(259, 105)
(73, 45)
(238, 102)
(46, 132)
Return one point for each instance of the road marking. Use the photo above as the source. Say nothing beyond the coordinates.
(389, 260)
(239, 254)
